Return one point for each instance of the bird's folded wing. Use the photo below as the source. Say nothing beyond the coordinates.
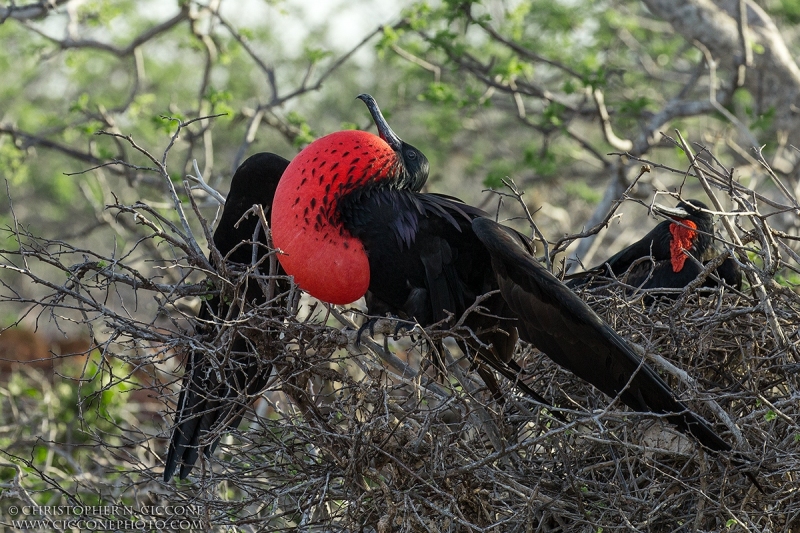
(565, 328)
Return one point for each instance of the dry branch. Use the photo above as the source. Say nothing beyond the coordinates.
(363, 437)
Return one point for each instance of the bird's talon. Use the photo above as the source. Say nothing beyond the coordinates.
(368, 325)
(403, 325)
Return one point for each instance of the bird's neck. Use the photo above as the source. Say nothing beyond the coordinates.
(684, 237)
(326, 260)
(382, 212)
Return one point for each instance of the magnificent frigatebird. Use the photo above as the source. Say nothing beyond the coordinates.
(677, 246)
(348, 217)
(216, 393)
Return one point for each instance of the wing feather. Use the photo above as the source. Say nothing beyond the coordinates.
(565, 328)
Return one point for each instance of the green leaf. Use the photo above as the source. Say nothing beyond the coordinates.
(389, 38)
(635, 106)
(315, 55)
(552, 114)
(305, 135)
(764, 121)
(81, 104)
(12, 163)
(216, 97)
(542, 162)
(499, 171)
(441, 93)
(162, 124)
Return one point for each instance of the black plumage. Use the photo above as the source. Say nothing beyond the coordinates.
(458, 254)
(216, 393)
(430, 255)
(560, 324)
(670, 256)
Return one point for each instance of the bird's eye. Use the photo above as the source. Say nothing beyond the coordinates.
(411, 154)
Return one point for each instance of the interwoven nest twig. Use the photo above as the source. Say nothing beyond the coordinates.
(372, 437)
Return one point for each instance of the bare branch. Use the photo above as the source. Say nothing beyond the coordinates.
(608, 132)
(30, 11)
(70, 43)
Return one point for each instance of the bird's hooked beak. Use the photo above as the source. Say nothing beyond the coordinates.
(384, 130)
(671, 212)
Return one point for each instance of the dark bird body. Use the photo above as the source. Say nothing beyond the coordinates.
(425, 265)
(215, 395)
(426, 255)
(678, 247)
(430, 271)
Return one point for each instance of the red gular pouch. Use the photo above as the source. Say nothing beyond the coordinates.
(683, 235)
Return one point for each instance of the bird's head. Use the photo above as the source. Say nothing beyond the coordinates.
(322, 181)
(690, 230)
(254, 182)
(692, 210)
(413, 166)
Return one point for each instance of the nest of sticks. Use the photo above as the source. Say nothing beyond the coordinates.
(371, 436)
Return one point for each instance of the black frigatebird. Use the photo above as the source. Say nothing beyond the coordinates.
(216, 392)
(678, 247)
(348, 217)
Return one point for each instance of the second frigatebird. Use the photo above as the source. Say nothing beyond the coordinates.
(215, 394)
(677, 247)
(348, 217)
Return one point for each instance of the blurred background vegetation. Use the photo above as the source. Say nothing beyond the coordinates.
(561, 96)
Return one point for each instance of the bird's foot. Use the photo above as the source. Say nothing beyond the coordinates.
(369, 325)
(400, 325)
